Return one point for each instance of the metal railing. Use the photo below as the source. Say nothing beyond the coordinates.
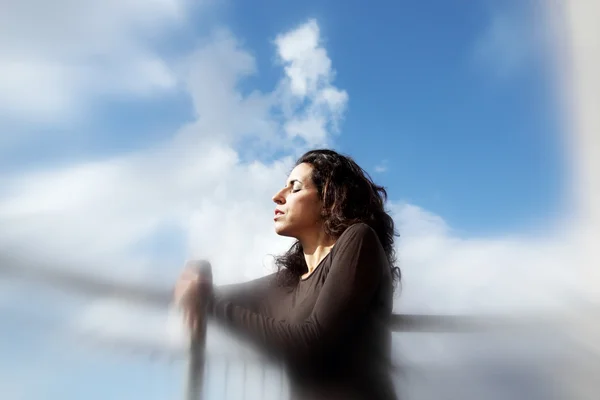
(197, 357)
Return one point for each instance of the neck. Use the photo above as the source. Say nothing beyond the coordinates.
(315, 248)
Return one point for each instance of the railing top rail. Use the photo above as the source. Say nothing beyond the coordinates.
(86, 285)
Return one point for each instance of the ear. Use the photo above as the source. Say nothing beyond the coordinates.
(324, 213)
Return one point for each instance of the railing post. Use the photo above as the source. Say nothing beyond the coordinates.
(197, 360)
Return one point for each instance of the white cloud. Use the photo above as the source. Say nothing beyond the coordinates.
(306, 62)
(449, 274)
(212, 75)
(309, 79)
(56, 54)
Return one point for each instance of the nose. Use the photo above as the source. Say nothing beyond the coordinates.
(278, 198)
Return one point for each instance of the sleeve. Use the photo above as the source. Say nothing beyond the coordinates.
(353, 279)
(249, 295)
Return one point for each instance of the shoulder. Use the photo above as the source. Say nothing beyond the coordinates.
(358, 249)
(358, 233)
(358, 230)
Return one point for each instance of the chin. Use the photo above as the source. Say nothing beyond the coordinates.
(283, 230)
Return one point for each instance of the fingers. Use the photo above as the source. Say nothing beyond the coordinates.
(191, 320)
(186, 294)
(185, 286)
(181, 290)
(189, 274)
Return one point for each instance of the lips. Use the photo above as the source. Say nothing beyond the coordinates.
(278, 213)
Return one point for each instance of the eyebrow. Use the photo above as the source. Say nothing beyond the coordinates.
(292, 181)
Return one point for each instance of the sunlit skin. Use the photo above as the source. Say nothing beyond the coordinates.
(297, 214)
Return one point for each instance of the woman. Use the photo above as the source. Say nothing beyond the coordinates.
(325, 312)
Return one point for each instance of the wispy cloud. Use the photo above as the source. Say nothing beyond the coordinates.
(57, 56)
(381, 167)
(513, 39)
(505, 45)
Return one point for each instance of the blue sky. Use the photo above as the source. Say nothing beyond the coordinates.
(145, 134)
(478, 146)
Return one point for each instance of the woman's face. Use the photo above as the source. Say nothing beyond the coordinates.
(298, 211)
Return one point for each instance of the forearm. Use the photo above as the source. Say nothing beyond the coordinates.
(250, 295)
(276, 337)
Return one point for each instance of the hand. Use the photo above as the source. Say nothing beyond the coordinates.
(191, 290)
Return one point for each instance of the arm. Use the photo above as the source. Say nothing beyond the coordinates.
(249, 295)
(355, 274)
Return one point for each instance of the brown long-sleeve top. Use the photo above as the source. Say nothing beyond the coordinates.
(330, 329)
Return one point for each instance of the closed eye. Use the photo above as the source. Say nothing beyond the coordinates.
(296, 185)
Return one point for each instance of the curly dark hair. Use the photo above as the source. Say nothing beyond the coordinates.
(349, 196)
